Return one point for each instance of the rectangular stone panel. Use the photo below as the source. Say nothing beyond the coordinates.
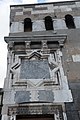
(35, 110)
(34, 69)
(22, 96)
(40, 8)
(76, 58)
(27, 12)
(46, 95)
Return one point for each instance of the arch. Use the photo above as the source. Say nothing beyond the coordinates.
(69, 20)
(27, 25)
(48, 23)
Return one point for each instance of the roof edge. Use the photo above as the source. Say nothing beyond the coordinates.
(44, 3)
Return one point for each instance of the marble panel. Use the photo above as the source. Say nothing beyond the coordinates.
(46, 95)
(35, 69)
(22, 96)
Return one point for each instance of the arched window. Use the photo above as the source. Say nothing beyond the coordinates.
(27, 25)
(69, 21)
(48, 23)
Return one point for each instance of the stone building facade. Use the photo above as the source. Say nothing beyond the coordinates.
(43, 62)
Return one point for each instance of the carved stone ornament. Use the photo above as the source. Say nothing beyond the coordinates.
(44, 45)
(12, 117)
(10, 45)
(30, 110)
(47, 67)
(27, 44)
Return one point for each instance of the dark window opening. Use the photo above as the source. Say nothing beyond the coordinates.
(27, 25)
(53, 44)
(19, 43)
(36, 45)
(19, 46)
(48, 23)
(69, 21)
(35, 117)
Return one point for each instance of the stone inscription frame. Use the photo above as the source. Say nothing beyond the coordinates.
(53, 69)
(55, 110)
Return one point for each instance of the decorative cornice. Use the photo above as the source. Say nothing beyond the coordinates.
(60, 38)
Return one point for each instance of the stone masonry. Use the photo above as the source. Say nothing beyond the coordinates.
(43, 65)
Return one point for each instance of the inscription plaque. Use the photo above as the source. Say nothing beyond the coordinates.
(34, 110)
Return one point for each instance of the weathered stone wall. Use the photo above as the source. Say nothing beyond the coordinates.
(70, 59)
(71, 64)
(37, 13)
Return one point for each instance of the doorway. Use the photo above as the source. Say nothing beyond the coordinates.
(35, 117)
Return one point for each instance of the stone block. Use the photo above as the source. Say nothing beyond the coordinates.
(76, 58)
(59, 24)
(27, 13)
(19, 13)
(38, 25)
(22, 96)
(77, 21)
(74, 71)
(39, 8)
(77, 4)
(8, 97)
(46, 95)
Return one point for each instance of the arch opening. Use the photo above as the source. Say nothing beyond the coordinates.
(69, 20)
(48, 23)
(27, 25)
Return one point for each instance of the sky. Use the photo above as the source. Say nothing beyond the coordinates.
(4, 30)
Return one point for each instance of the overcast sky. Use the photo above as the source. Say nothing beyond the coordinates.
(4, 30)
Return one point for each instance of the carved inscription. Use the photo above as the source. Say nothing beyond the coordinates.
(30, 110)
